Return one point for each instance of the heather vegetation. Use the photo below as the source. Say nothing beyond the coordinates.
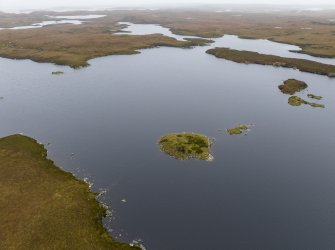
(44, 207)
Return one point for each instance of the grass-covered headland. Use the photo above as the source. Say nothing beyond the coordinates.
(75, 45)
(185, 146)
(44, 207)
(242, 56)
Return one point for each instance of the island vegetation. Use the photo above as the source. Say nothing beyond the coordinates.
(185, 146)
(199, 41)
(240, 129)
(250, 57)
(291, 86)
(297, 101)
(44, 207)
(312, 96)
(57, 72)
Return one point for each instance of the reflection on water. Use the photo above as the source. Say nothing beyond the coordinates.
(271, 189)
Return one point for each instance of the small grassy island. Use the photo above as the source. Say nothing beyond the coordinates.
(317, 97)
(185, 146)
(44, 207)
(240, 129)
(291, 86)
(277, 61)
(297, 101)
(199, 41)
(57, 73)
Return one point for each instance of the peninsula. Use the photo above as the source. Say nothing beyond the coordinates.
(250, 57)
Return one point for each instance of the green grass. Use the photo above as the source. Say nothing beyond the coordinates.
(257, 58)
(297, 101)
(291, 86)
(43, 207)
(240, 129)
(185, 146)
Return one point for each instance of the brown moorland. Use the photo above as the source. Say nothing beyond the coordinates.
(291, 86)
(75, 44)
(44, 207)
(242, 56)
(312, 31)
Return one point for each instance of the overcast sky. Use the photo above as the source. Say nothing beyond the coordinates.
(42, 4)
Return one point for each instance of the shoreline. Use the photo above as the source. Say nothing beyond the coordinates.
(56, 209)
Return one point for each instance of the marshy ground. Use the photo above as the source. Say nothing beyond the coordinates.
(44, 207)
(74, 45)
(248, 57)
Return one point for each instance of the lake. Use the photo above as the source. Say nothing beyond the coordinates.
(74, 20)
(271, 189)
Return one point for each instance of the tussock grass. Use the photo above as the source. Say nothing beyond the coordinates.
(291, 86)
(43, 207)
(185, 146)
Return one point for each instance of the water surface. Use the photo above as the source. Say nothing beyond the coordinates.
(263, 46)
(44, 23)
(65, 20)
(271, 189)
(148, 29)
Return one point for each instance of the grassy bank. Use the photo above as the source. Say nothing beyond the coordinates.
(43, 207)
(277, 61)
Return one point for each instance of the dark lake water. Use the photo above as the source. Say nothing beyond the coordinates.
(271, 189)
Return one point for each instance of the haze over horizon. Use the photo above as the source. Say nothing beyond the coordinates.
(19, 5)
